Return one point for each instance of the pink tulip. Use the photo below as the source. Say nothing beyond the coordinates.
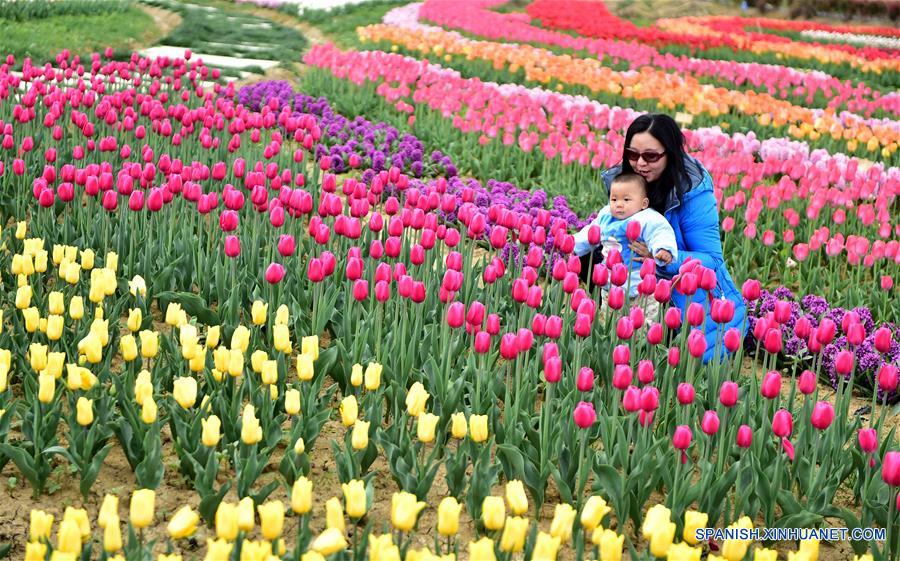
(751, 290)
(631, 399)
(616, 298)
(621, 354)
(685, 393)
(890, 468)
(645, 371)
(456, 314)
(744, 436)
(710, 423)
(655, 334)
(782, 423)
(728, 394)
(584, 414)
(553, 328)
(806, 383)
(887, 377)
(633, 230)
(772, 342)
(482, 342)
(822, 415)
(600, 275)
(672, 318)
(274, 273)
(232, 246)
(843, 362)
(696, 343)
(622, 376)
(674, 356)
(650, 398)
(492, 325)
(553, 369)
(681, 440)
(771, 385)
(624, 328)
(882, 339)
(585, 380)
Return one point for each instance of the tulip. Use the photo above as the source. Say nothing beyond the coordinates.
(682, 440)
(329, 542)
(112, 535)
(448, 516)
(622, 376)
(822, 415)
(610, 544)
(184, 391)
(806, 383)
(483, 550)
(868, 440)
(41, 524)
(771, 385)
(405, 510)
(655, 334)
(751, 290)
(515, 531)
(710, 423)
(458, 425)
(69, 537)
(744, 436)
(301, 495)
(142, 507)
(553, 369)
(416, 398)
(211, 431)
(890, 469)
(355, 498)
(478, 429)
(621, 354)
(183, 523)
(561, 526)
(696, 343)
(425, 427)
(686, 393)
(595, 509)
(349, 410)
(887, 377)
(584, 382)
(843, 363)
(516, 498)
(493, 513)
(292, 402)
(85, 411)
(782, 423)
(693, 521)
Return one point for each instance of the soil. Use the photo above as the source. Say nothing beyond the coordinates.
(165, 21)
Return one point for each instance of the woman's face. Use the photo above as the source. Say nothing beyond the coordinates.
(645, 142)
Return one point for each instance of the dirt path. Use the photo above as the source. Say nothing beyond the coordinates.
(165, 21)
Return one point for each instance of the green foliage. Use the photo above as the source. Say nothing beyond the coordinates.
(18, 10)
(340, 25)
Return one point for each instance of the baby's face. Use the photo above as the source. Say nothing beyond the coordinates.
(627, 198)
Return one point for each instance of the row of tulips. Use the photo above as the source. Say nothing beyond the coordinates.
(808, 183)
(478, 19)
(649, 90)
(709, 32)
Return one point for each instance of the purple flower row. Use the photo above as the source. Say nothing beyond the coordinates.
(815, 309)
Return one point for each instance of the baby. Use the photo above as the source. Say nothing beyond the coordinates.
(628, 202)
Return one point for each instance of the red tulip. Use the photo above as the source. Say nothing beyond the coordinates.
(624, 328)
(360, 289)
(663, 291)
(728, 394)
(274, 273)
(508, 347)
(673, 318)
(681, 440)
(631, 399)
(650, 398)
(732, 339)
(674, 356)
(782, 423)
(695, 314)
(553, 369)
(286, 245)
(520, 290)
(803, 328)
(600, 275)
(619, 274)
(524, 339)
(538, 323)
(806, 383)
(882, 339)
(475, 314)
(772, 342)
(890, 468)
(655, 334)
(887, 377)
(110, 200)
(887, 281)
(633, 230)
(456, 314)
(553, 328)
(594, 234)
(744, 436)
(685, 393)
(616, 298)
(382, 291)
(482, 342)
(492, 325)
(135, 200)
(856, 334)
(688, 284)
(708, 279)
(843, 362)
(621, 354)
(722, 310)
(585, 380)
(549, 350)
(622, 375)
(710, 423)
(636, 315)
(696, 343)
(868, 440)
(584, 414)
(232, 246)
(583, 325)
(826, 331)
(646, 374)
(751, 290)
(535, 297)
(771, 385)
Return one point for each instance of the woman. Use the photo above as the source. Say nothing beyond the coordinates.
(681, 189)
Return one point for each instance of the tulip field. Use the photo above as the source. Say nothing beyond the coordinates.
(339, 316)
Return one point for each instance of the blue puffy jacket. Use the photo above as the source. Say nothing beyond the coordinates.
(692, 211)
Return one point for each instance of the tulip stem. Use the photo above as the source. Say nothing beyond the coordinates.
(581, 477)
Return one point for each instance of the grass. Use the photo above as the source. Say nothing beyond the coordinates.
(42, 39)
(340, 26)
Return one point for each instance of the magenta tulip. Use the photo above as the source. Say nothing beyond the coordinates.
(822, 415)
(584, 414)
(744, 436)
(685, 393)
(585, 380)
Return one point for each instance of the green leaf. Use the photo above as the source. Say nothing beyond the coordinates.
(192, 303)
(512, 460)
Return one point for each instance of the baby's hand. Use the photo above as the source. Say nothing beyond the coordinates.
(664, 256)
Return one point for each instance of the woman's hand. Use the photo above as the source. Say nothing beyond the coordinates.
(640, 250)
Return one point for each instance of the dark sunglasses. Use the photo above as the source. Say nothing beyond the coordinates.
(649, 157)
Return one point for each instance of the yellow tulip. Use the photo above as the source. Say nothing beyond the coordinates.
(405, 509)
(112, 534)
(211, 431)
(355, 498)
(137, 286)
(563, 518)
(55, 324)
(810, 548)
(416, 398)
(198, 363)
(281, 338)
(516, 498)
(292, 402)
(149, 343)
(56, 303)
(227, 521)
(305, 369)
(349, 410)
(382, 548)
(46, 387)
(661, 539)
(693, 521)
(212, 336)
(128, 347)
(483, 550)
(40, 526)
(372, 376)
(35, 551)
(258, 312)
(37, 355)
(514, 533)
(236, 363)
(426, 426)
(299, 446)
(221, 357)
(23, 297)
(282, 315)
(87, 259)
(359, 439)
(271, 519)
(310, 346)
(183, 523)
(459, 428)
(478, 428)
(257, 358)
(112, 260)
(100, 327)
(216, 550)
(142, 506)
(184, 390)
(68, 538)
(55, 361)
(251, 431)
(32, 319)
(80, 516)
(330, 541)
(301, 495)
(149, 411)
(593, 512)
(683, 552)
(143, 388)
(493, 513)
(609, 542)
(546, 547)
(269, 372)
(85, 411)
(448, 516)
(76, 308)
(21, 229)
(657, 516)
(763, 554)
(240, 338)
(173, 311)
(108, 509)
(356, 375)
(245, 515)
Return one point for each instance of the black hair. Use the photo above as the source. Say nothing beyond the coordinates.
(664, 129)
(633, 178)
